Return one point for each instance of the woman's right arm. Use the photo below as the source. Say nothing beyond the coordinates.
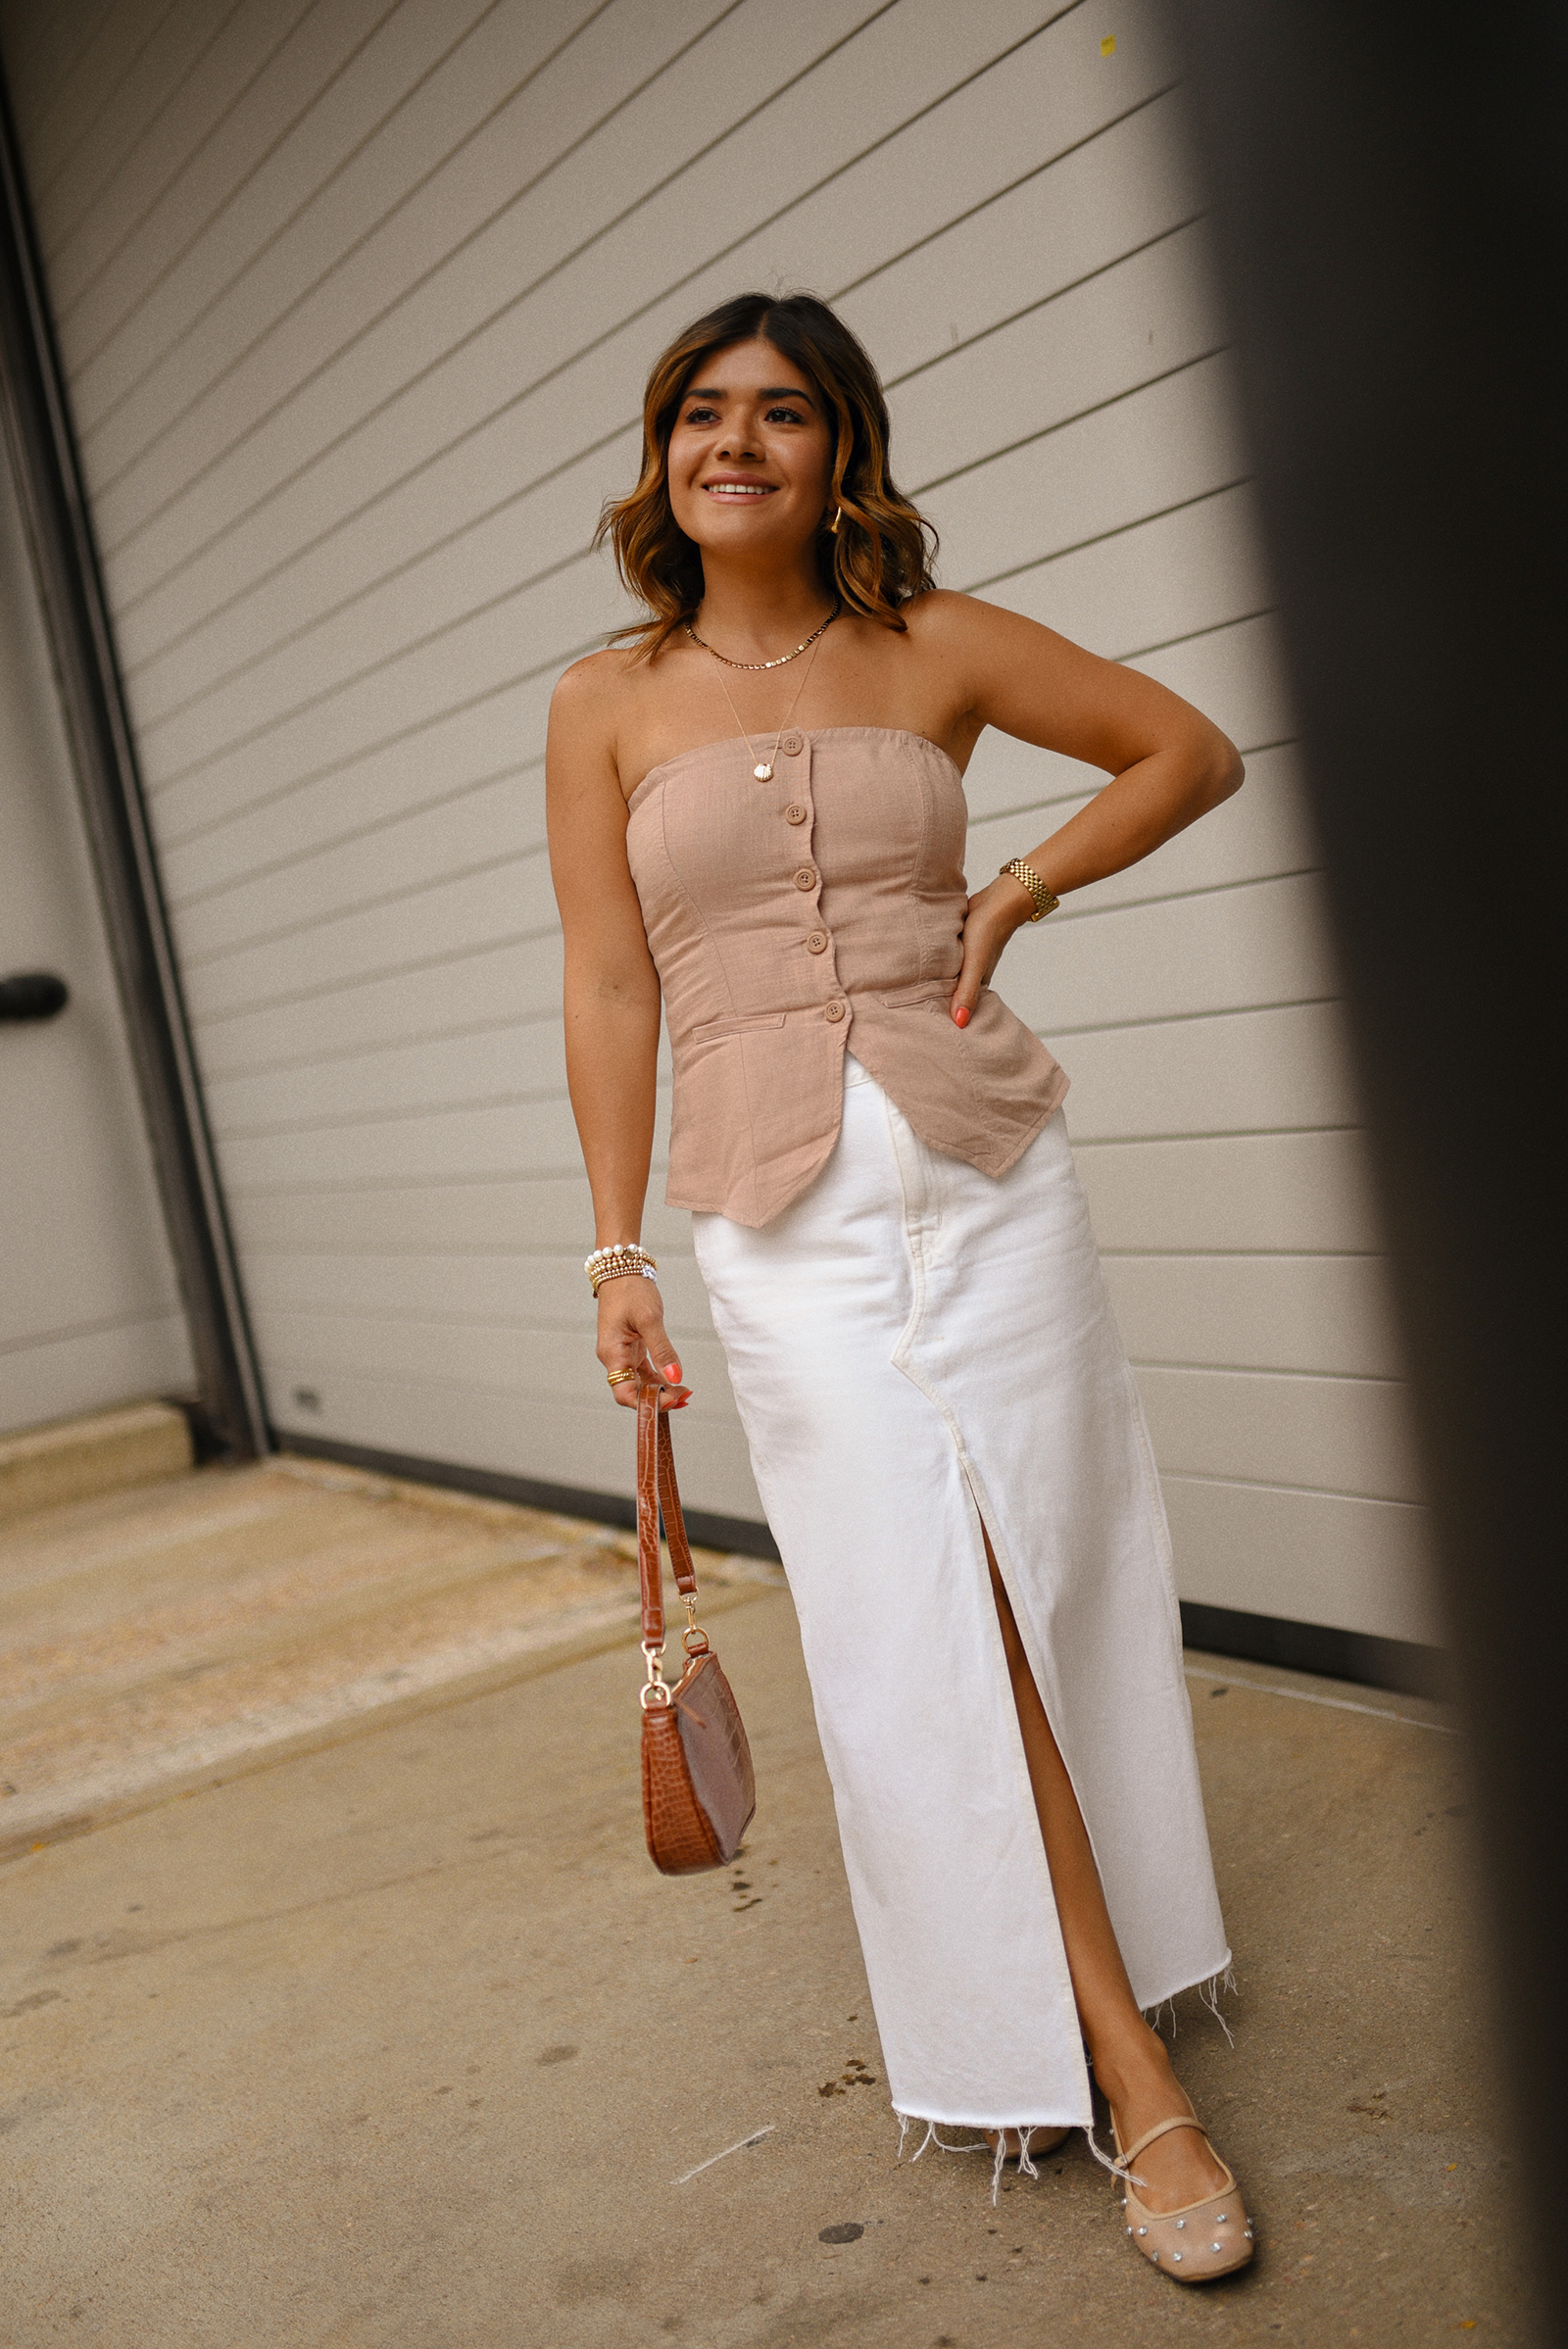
(611, 1010)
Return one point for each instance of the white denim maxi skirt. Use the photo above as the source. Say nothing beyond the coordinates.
(917, 1351)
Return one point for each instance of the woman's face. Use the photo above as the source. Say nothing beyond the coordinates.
(751, 456)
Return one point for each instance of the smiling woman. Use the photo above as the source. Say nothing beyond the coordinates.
(827, 408)
(943, 1425)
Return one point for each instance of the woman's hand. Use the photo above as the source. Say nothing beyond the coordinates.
(994, 913)
(632, 1337)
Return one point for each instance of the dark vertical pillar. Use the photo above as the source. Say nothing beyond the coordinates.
(49, 480)
(1392, 209)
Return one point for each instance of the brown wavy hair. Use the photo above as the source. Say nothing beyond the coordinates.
(880, 556)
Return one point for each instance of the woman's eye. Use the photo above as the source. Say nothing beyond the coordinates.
(784, 415)
(701, 415)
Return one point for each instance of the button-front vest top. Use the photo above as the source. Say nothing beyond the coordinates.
(792, 918)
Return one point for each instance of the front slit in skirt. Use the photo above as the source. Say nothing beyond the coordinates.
(918, 1349)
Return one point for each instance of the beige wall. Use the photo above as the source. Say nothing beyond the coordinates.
(356, 302)
(89, 1311)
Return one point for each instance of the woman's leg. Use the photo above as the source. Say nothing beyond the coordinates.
(1130, 2065)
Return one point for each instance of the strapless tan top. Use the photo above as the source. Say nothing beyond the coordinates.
(792, 918)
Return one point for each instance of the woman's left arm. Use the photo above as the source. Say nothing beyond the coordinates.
(1167, 763)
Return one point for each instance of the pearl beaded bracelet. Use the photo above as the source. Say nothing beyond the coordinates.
(615, 1263)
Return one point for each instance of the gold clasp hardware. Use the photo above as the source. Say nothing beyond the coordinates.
(657, 1689)
(692, 1639)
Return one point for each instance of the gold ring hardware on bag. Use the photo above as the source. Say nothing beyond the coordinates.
(699, 1792)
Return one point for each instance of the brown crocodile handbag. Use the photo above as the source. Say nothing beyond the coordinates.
(698, 1790)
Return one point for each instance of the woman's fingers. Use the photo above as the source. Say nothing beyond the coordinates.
(989, 923)
(979, 959)
(632, 1337)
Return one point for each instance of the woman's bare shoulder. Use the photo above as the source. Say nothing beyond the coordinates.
(944, 618)
(596, 687)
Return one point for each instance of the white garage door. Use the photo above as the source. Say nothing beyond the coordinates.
(356, 302)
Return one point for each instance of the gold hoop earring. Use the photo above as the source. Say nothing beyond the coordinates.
(833, 526)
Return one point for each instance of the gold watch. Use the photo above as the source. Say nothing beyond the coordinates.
(1046, 902)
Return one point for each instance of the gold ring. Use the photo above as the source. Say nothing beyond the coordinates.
(614, 1377)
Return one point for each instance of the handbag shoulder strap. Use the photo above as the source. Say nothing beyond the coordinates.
(657, 1493)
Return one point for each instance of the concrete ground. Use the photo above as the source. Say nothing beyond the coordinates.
(398, 2039)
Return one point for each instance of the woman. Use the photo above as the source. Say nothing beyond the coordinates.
(757, 813)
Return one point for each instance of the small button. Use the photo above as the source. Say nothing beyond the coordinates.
(805, 878)
(795, 813)
(834, 1011)
(817, 944)
(792, 744)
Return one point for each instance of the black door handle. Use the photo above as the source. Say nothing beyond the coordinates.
(33, 995)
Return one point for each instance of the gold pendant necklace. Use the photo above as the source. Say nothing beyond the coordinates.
(762, 768)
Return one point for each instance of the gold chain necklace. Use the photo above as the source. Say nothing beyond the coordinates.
(762, 768)
(783, 658)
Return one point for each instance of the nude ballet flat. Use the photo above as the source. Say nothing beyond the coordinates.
(1198, 2243)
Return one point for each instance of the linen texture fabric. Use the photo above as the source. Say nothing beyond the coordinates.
(790, 918)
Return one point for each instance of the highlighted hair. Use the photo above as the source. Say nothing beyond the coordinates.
(881, 553)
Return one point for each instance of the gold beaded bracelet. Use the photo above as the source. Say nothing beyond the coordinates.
(1046, 902)
(615, 1263)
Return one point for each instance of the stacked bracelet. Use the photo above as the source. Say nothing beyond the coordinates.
(611, 1263)
(1046, 902)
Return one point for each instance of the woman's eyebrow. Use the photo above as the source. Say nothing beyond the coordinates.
(770, 391)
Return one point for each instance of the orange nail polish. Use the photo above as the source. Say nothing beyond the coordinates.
(672, 1371)
(960, 1017)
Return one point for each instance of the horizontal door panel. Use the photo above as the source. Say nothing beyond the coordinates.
(427, 766)
(1293, 1192)
(506, 1286)
(484, 1142)
(1129, 325)
(1198, 567)
(426, 998)
(403, 855)
(1342, 1436)
(1310, 1557)
(1243, 1072)
(1120, 188)
(357, 597)
(229, 151)
(492, 1063)
(432, 1219)
(461, 916)
(1223, 951)
(1159, 446)
(474, 662)
(1328, 1314)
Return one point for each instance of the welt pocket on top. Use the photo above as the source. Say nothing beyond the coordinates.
(711, 1028)
(929, 991)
